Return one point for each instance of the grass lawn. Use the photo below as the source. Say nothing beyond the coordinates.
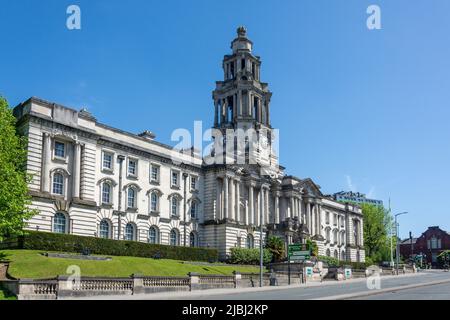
(6, 296)
(31, 264)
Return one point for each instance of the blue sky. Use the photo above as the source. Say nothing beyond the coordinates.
(357, 109)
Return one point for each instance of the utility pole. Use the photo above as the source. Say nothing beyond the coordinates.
(261, 206)
(185, 175)
(390, 229)
(397, 253)
(120, 158)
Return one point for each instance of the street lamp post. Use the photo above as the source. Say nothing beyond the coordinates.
(397, 250)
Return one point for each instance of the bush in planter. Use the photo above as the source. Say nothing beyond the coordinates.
(34, 240)
(249, 256)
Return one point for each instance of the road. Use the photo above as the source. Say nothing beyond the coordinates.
(433, 284)
(341, 290)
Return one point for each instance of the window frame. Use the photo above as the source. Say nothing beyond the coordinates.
(136, 162)
(133, 232)
(194, 179)
(64, 144)
(110, 202)
(110, 153)
(109, 231)
(158, 177)
(134, 204)
(175, 232)
(157, 238)
(63, 183)
(178, 173)
(66, 226)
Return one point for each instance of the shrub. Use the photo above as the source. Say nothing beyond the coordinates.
(249, 256)
(276, 246)
(333, 262)
(34, 240)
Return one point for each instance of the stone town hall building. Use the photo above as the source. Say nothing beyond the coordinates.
(94, 180)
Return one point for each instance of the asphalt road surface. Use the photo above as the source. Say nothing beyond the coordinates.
(338, 290)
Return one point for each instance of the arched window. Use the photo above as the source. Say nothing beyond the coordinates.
(59, 223)
(336, 254)
(174, 206)
(58, 184)
(358, 256)
(106, 193)
(193, 239)
(105, 229)
(130, 233)
(193, 209)
(154, 199)
(343, 255)
(342, 238)
(328, 235)
(174, 238)
(328, 253)
(153, 235)
(250, 241)
(131, 198)
(335, 236)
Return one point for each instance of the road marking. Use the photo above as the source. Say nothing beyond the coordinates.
(387, 290)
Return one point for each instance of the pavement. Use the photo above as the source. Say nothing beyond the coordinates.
(425, 284)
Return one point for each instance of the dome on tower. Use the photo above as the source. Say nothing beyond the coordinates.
(241, 43)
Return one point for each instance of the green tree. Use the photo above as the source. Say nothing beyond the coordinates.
(276, 246)
(377, 225)
(13, 177)
(314, 247)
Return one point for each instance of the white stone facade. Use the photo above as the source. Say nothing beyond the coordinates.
(93, 180)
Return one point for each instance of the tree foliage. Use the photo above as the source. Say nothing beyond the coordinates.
(377, 227)
(13, 177)
(276, 246)
(314, 247)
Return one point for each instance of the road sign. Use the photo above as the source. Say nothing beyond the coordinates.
(299, 251)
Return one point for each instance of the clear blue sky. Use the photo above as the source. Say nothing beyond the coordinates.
(357, 109)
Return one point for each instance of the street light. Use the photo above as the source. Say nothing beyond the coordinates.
(397, 250)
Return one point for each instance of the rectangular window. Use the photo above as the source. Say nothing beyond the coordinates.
(107, 160)
(193, 210)
(154, 173)
(193, 183)
(60, 150)
(175, 179)
(132, 167)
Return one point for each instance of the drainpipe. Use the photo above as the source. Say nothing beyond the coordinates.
(120, 158)
(185, 175)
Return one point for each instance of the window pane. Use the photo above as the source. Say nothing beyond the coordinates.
(131, 198)
(129, 232)
(153, 235)
(174, 179)
(107, 160)
(106, 193)
(58, 184)
(193, 210)
(154, 202)
(104, 229)
(59, 223)
(59, 149)
(132, 167)
(154, 174)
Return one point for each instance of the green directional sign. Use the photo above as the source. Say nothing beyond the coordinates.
(299, 251)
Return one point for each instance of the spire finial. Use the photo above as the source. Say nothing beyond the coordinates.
(242, 31)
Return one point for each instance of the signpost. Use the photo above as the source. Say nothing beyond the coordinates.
(298, 252)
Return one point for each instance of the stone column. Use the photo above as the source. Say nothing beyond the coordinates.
(246, 219)
(234, 107)
(238, 202)
(76, 170)
(218, 200)
(292, 207)
(259, 111)
(319, 220)
(250, 105)
(47, 157)
(239, 102)
(251, 202)
(216, 111)
(232, 212)
(308, 216)
(225, 197)
(277, 209)
(267, 206)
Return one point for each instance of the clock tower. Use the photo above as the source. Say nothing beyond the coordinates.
(242, 129)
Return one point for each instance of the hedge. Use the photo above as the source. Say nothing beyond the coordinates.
(249, 256)
(333, 262)
(35, 240)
